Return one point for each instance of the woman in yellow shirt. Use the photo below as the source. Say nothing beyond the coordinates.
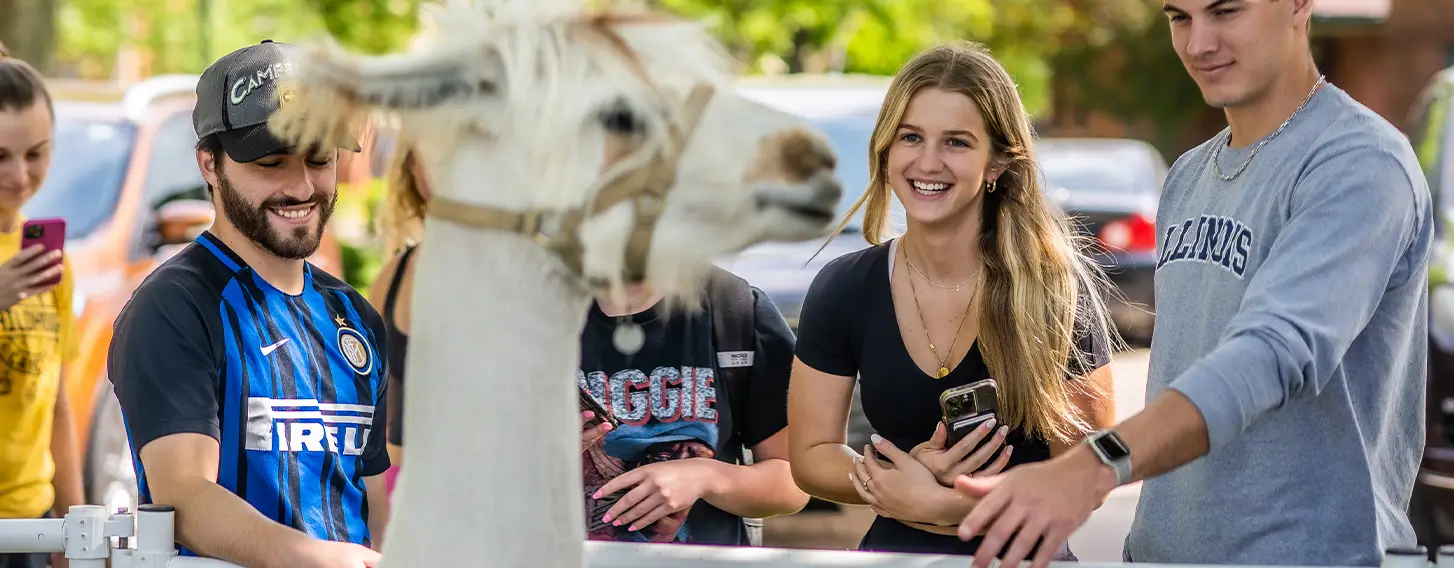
(39, 469)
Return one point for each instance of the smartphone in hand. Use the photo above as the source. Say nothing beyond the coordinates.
(589, 402)
(49, 233)
(966, 407)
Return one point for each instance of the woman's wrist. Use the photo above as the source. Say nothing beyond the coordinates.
(943, 506)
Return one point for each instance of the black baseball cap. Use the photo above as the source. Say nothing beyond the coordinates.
(237, 94)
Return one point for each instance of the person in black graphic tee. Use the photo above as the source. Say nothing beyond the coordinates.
(670, 472)
(985, 283)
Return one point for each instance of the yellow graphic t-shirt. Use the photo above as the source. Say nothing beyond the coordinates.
(37, 335)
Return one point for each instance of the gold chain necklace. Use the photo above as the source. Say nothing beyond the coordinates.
(914, 292)
(926, 278)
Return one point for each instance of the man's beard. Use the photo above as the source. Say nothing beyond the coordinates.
(252, 221)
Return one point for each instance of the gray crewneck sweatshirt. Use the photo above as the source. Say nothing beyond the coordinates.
(1291, 310)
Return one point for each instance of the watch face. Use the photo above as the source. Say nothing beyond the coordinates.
(1111, 446)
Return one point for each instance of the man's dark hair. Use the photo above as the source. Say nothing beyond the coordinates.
(21, 85)
(213, 146)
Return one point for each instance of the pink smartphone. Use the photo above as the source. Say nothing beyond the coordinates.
(49, 233)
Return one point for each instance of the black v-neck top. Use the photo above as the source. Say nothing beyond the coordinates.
(848, 326)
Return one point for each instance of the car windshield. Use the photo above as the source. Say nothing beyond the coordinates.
(1096, 169)
(88, 165)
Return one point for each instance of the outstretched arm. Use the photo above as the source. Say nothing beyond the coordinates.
(1358, 224)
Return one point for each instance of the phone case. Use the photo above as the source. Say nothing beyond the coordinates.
(960, 421)
(589, 402)
(49, 233)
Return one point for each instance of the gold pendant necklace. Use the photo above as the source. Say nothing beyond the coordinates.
(914, 292)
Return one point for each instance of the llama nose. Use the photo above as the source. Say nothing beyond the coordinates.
(805, 155)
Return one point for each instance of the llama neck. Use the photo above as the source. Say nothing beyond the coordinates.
(491, 412)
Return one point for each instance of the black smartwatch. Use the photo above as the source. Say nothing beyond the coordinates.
(1112, 452)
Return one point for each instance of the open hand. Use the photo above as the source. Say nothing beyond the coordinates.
(26, 274)
(592, 434)
(947, 464)
(658, 489)
(905, 490)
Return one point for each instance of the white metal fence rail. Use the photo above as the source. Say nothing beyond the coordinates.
(85, 536)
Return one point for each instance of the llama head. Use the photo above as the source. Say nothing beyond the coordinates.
(607, 123)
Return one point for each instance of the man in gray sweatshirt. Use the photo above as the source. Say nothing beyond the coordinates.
(1285, 404)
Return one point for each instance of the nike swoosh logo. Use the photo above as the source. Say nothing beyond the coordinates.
(274, 347)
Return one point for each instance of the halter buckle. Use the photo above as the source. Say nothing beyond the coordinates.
(547, 228)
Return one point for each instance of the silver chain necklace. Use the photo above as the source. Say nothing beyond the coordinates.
(1217, 151)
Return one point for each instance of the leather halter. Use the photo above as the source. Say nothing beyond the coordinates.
(557, 230)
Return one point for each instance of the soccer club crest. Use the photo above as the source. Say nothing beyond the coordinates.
(354, 347)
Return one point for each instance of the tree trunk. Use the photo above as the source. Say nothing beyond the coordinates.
(797, 58)
(28, 29)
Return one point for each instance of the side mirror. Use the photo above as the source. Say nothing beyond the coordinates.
(180, 221)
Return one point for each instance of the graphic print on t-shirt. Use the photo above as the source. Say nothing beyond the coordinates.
(666, 413)
(1210, 239)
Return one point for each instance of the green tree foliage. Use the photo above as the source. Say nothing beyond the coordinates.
(877, 36)
(184, 36)
(1135, 76)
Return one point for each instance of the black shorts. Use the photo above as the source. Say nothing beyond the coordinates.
(27, 560)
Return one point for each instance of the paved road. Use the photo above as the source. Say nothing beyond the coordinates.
(1099, 540)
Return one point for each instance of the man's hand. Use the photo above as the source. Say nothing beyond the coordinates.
(952, 463)
(1049, 500)
(660, 489)
(59, 560)
(906, 490)
(315, 553)
(592, 434)
(24, 274)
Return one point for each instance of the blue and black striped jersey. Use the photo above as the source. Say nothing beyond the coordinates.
(291, 386)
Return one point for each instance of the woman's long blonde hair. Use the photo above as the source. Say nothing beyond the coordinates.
(402, 219)
(1036, 283)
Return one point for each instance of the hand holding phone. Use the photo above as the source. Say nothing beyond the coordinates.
(37, 267)
(966, 439)
(597, 423)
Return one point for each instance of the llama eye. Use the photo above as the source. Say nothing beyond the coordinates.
(622, 120)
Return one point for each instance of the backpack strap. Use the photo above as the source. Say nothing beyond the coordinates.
(393, 293)
(734, 332)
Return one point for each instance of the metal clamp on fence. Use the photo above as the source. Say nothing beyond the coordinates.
(85, 534)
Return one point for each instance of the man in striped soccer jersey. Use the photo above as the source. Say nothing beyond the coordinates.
(251, 381)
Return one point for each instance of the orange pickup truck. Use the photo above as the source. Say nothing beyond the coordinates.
(125, 179)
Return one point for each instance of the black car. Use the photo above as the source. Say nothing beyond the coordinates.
(1110, 188)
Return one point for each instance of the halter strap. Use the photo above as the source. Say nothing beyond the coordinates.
(556, 230)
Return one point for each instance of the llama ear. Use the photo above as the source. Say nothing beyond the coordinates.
(333, 92)
(411, 81)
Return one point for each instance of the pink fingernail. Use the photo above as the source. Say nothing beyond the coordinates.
(617, 523)
(607, 427)
(631, 528)
(607, 518)
(597, 495)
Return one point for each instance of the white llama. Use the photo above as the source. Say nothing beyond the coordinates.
(625, 133)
